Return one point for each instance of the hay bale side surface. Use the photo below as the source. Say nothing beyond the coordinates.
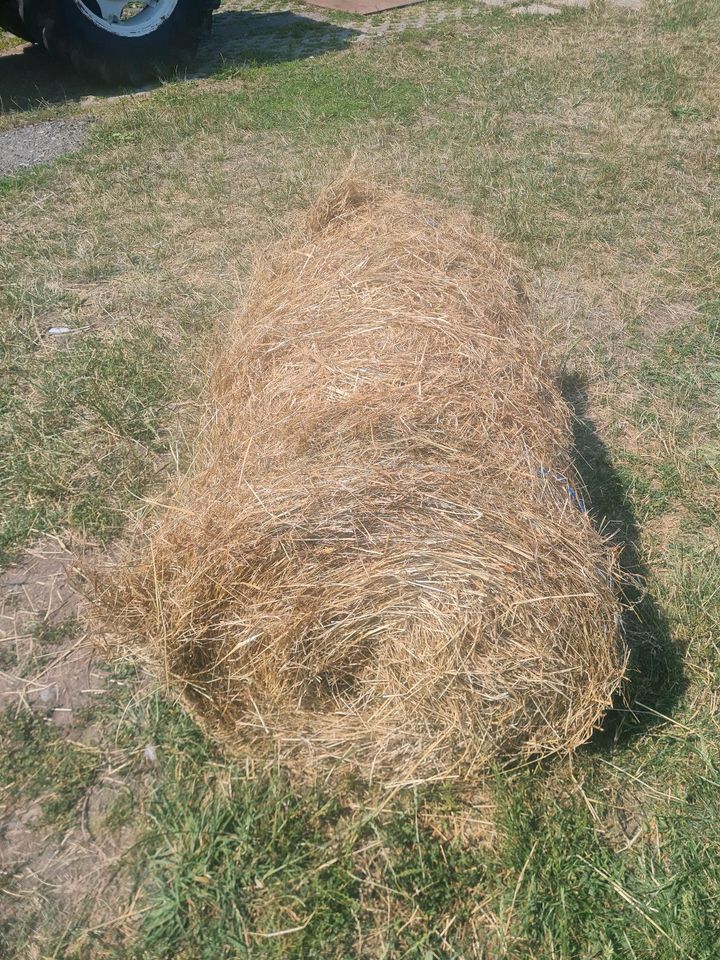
(371, 561)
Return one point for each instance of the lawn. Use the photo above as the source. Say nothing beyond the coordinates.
(587, 141)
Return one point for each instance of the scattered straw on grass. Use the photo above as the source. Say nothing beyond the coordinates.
(375, 562)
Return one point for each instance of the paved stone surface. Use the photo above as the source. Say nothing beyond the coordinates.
(243, 35)
(537, 9)
(26, 146)
(362, 6)
(277, 30)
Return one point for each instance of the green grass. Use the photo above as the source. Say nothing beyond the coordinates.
(587, 142)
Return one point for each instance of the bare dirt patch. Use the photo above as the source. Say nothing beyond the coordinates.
(48, 660)
(79, 873)
(73, 867)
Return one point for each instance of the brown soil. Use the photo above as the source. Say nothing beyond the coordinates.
(35, 599)
(53, 874)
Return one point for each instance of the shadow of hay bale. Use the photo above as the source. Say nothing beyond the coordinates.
(655, 677)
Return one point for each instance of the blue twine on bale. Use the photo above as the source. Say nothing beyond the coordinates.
(571, 491)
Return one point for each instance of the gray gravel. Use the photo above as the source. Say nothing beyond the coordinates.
(26, 146)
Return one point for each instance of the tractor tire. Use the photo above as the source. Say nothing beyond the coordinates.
(100, 41)
(11, 21)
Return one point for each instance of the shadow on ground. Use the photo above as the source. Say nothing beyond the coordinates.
(655, 676)
(242, 37)
(30, 79)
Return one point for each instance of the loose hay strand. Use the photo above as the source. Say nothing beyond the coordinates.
(375, 563)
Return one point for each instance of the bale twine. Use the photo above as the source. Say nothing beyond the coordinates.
(377, 560)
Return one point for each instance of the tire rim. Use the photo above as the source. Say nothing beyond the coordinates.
(127, 18)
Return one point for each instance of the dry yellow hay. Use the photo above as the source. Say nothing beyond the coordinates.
(374, 561)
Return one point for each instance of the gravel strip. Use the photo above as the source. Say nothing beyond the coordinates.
(26, 146)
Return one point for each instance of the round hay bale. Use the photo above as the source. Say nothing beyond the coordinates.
(377, 559)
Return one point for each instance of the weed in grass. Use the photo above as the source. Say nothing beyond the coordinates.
(53, 634)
